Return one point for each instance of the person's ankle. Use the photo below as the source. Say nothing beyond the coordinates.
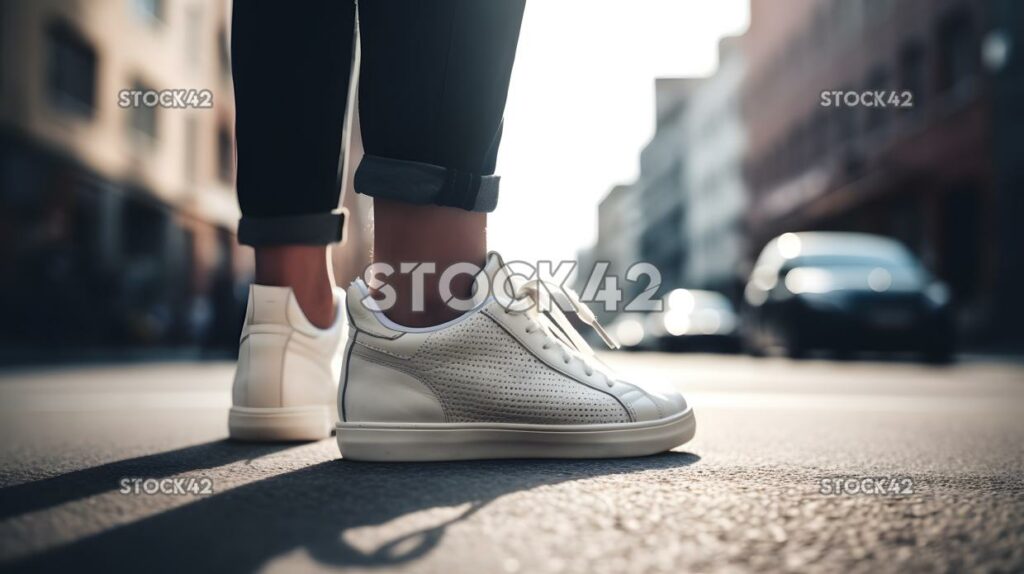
(304, 269)
(423, 305)
(318, 306)
(434, 312)
(431, 235)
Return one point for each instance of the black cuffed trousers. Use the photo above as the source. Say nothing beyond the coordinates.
(433, 80)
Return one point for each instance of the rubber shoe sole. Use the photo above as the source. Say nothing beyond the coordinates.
(408, 442)
(280, 424)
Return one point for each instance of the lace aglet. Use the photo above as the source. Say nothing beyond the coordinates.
(606, 336)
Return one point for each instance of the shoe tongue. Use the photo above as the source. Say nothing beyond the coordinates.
(493, 265)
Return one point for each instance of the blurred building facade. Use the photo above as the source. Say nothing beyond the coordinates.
(924, 175)
(756, 154)
(689, 198)
(645, 220)
(1003, 54)
(713, 151)
(618, 217)
(663, 174)
(117, 223)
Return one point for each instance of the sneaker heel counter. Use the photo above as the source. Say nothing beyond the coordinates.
(373, 392)
(346, 355)
(307, 379)
(258, 376)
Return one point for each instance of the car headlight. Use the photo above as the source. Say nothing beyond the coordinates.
(677, 323)
(629, 332)
(808, 280)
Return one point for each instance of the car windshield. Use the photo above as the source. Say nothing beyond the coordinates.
(894, 262)
(708, 300)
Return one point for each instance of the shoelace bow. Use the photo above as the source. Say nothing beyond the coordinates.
(548, 318)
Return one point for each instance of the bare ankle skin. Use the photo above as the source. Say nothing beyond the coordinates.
(305, 269)
(443, 236)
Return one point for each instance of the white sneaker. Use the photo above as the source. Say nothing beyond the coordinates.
(286, 383)
(493, 383)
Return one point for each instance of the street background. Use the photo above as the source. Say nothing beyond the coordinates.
(687, 134)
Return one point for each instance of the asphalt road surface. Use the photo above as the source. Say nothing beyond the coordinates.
(774, 480)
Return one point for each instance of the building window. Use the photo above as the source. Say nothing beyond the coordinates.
(142, 118)
(877, 10)
(144, 226)
(191, 148)
(849, 14)
(819, 31)
(875, 116)
(151, 11)
(820, 124)
(225, 155)
(795, 157)
(71, 73)
(912, 73)
(956, 51)
(845, 124)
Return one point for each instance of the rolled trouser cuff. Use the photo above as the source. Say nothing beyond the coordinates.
(308, 229)
(426, 184)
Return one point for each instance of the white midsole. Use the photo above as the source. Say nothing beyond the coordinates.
(461, 441)
(518, 426)
(280, 423)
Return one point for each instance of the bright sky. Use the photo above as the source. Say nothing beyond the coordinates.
(581, 107)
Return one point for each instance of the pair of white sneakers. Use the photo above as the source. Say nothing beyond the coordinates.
(499, 381)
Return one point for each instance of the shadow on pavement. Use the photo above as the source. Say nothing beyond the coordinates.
(79, 484)
(312, 509)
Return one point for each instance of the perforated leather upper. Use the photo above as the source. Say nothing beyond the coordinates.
(481, 374)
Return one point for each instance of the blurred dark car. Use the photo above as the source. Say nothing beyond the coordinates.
(845, 292)
(694, 320)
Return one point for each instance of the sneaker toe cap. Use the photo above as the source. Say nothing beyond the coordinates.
(659, 400)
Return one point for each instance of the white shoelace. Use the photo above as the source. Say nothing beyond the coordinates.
(547, 318)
